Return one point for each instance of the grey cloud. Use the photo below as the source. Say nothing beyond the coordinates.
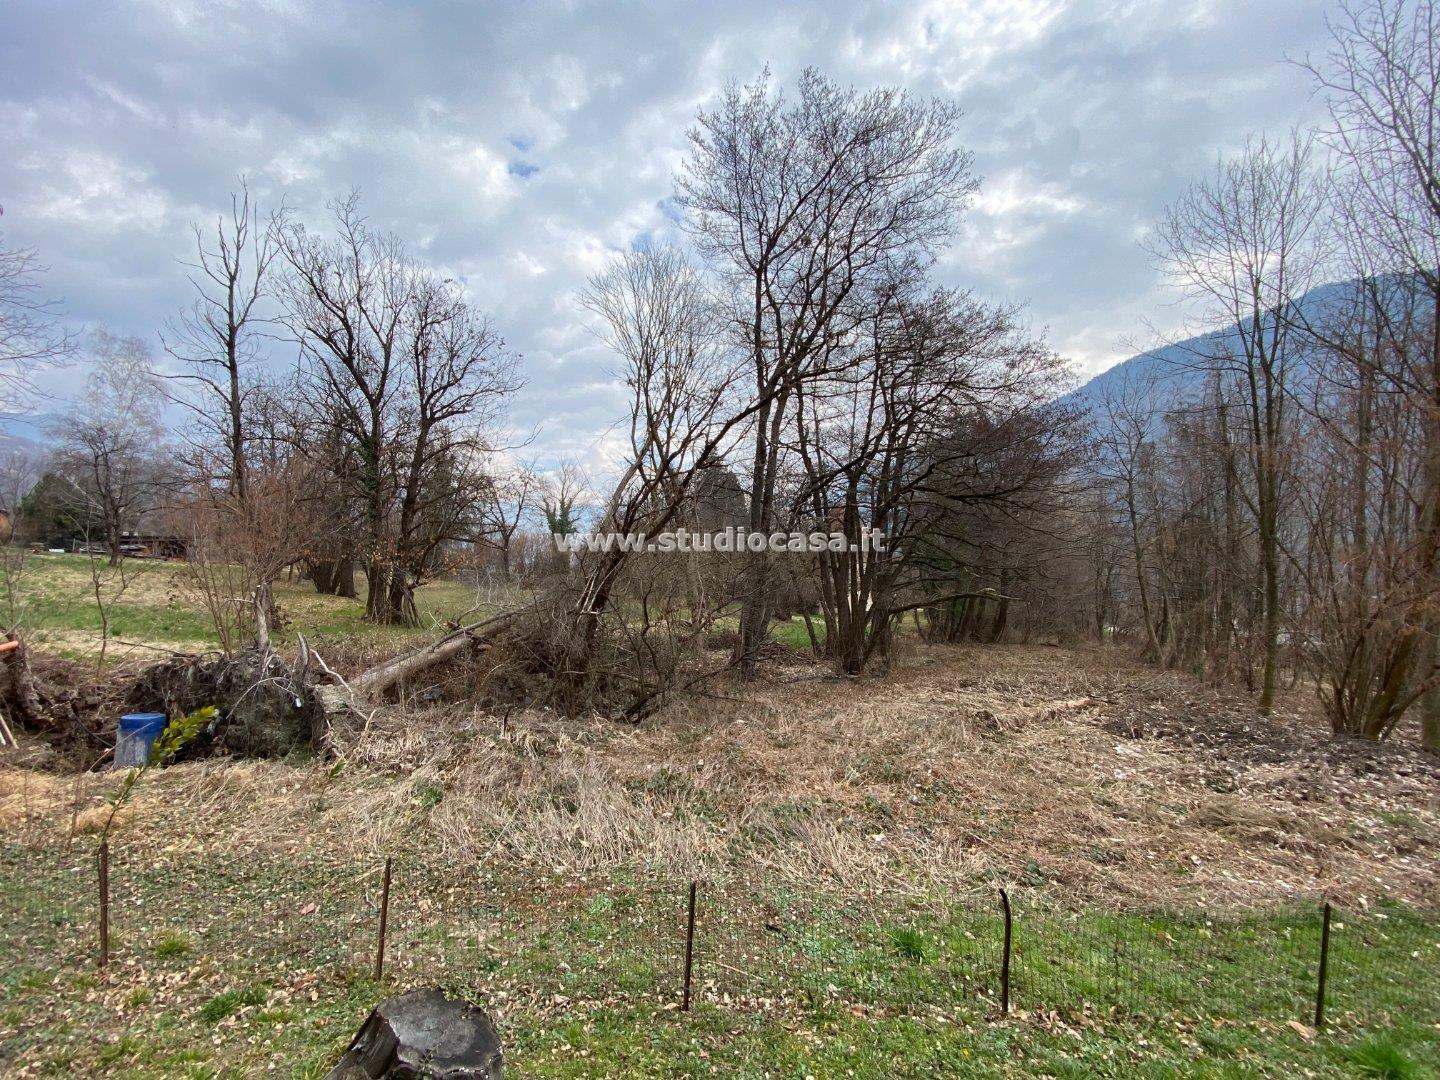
(515, 146)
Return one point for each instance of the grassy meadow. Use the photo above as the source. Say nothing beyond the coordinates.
(154, 604)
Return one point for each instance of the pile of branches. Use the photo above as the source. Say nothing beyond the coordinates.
(548, 654)
(265, 707)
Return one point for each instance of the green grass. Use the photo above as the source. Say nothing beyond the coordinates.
(230, 1002)
(584, 976)
(171, 944)
(56, 608)
(912, 944)
(792, 631)
(1378, 1056)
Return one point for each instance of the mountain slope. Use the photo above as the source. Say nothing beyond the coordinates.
(1175, 371)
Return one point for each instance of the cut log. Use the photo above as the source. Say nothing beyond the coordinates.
(424, 1033)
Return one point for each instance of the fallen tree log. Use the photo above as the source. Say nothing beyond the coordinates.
(370, 686)
(266, 707)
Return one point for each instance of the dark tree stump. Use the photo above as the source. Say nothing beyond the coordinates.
(423, 1034)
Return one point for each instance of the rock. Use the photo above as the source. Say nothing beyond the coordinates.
(424, 1033)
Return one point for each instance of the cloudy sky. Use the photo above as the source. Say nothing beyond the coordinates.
(516, 146)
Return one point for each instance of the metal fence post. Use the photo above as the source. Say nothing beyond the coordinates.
(384, 920)
(1324, 967)
(689, 950)
(1005, 958)
(104, 868)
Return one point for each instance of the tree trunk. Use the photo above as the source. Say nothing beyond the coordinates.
(1153, 649)
(373, 683)
(402, 600)
(1430, 701)
(264, 614)
(1270, 547)
(390, 595)
(334, 577)
(113, 539)
(1002, 609)
(24, 701)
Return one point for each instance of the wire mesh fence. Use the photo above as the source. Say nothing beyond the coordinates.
(756, 945)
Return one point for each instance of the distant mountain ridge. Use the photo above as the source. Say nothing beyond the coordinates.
(27, 432)
(1172, 370)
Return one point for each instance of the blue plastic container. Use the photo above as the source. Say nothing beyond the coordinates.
(138, 732)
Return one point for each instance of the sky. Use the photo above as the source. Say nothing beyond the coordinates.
(518, 147)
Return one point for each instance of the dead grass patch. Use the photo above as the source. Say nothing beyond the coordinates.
(970, 767)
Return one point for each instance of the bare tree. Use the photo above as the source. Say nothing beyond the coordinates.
(1245, 243)
(20, 471)
(1381, 78)
(507, 502)
(108, 447)
(411, 380)
(1125, 464)
(217, 338)
(799, 205)
(945, 411)
(660, 319)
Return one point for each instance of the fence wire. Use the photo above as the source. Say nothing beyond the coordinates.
(759, 945)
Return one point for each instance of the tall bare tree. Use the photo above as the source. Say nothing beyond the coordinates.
(218, 337)
(108, 448)
(1245, 244)
(945, 411)
(685, 411)
(413, 381)
(1381, 78)
(1125, 463)
(800, 204)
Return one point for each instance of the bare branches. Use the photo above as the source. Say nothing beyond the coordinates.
(1247, 243)
(1381, 78)
(217, 338)
(936, 425)
(410, 382)
(107, 448)
(800, 207)
(31, 335)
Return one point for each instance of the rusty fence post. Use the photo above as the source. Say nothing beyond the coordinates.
(1324, 967)
(1005, 957)
(689, 950)
(384, 921)
(103, 860)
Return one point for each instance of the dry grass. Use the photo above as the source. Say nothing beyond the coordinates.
(970, 767)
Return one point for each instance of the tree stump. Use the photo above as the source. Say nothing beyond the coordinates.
(423, 1034)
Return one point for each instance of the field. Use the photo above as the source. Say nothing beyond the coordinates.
(155, 606)
(1166, 851)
